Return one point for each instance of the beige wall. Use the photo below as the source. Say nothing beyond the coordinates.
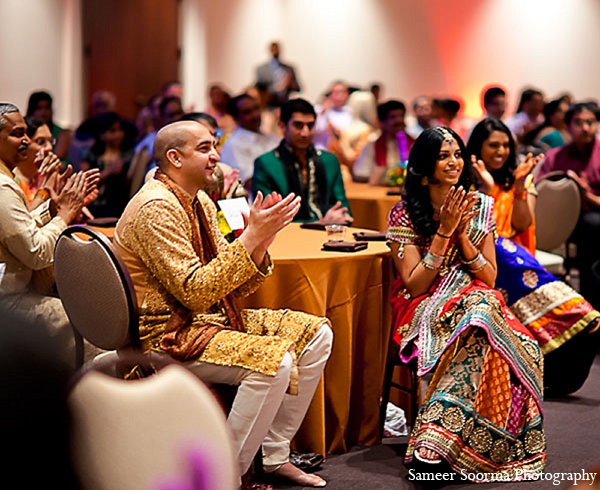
(438, 47)
(40, 48)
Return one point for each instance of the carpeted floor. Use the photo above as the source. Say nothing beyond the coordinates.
(572, 428)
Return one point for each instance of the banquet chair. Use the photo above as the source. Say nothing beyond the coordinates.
(99, 298)
(403, 378)
(557, 211)
(96, 290)
(98, 295)
(163, 431)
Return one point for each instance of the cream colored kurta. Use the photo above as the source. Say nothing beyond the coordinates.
(27, 241)
(154, 238)
(27, 238)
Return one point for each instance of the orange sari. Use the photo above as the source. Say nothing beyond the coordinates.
(503, 216)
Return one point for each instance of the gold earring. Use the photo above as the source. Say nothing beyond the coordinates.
(424, 181)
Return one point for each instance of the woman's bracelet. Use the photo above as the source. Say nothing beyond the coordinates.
(473, 260)
(432, 261)
(42, 193)
(443, 236)
(477, 263)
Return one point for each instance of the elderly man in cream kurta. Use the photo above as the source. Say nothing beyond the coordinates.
(187, 278)
(27, 239)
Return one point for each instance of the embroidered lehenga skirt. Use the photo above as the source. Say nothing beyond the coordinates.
(482, 410)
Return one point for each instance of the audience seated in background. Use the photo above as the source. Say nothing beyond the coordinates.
(421, 118)
(363, 130)
(148, 118)
(269, 116)
(561, 320)
(529, 113)
(172, 88)
(111, 153)
(493, 102)
(40, 105)
(552, 132)
(333, 115)
(187, 276)
(482, 412)
(581, 160)
(170, 110)
(389, 149)
(218, 98)
(296, 166)
(27, 239)
(247, 142)
(278, 78)
(87, 132)
(447, 112)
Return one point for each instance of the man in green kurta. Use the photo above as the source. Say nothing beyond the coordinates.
(187, 278)
(296, 166)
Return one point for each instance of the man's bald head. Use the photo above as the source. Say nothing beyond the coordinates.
(186, 151)
(173, 136)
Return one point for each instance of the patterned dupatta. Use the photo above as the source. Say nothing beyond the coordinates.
(456, 302)
(180, 340)
(433, 330)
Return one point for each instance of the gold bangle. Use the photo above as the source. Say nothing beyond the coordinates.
(473, 260)
(479, 265)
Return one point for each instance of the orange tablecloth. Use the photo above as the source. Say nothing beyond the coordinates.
(352, 290)
(370, 205)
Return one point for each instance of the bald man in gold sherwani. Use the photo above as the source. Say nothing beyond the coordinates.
(187, 278)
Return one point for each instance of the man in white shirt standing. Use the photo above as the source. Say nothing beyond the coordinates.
(247, 142)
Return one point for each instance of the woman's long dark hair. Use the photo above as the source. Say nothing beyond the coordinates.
(503, 176)
(549, 109)
(104, 122)
(33, 124)
(34, 99)
(422, 160)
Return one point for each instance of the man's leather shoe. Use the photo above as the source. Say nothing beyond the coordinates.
(306, 461)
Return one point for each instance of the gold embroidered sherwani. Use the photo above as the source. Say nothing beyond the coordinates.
(154, 238)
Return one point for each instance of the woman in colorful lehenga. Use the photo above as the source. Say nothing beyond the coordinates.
(561, 320)
(482, 411)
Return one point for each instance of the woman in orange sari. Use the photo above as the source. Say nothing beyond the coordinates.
(559, 317)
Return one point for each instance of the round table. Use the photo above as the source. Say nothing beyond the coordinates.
(352, 290)
(370, 205)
